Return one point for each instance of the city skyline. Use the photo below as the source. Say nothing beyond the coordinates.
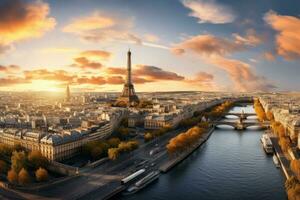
(216, 45)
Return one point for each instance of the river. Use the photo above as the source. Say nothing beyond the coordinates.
(231, 165)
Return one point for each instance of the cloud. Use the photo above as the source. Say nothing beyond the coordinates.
(201, 77)
(22, 20)
(151, 38)
(214, 50)
(9, 81)
(249, 39)
(84, 63)
(96, 54)
(94, 80)
(242, 75)
(207, 45)
(211, 45)
(116, 70)
(269, 56)
(115, 80)
(288, 34)
(209, 11)
(203, 81)
(44, 74)
(156, 73)
(9, 68)
(146, 73)
(100, 27)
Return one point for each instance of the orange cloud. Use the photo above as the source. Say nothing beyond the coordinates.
(242, 75)
(288, 36)
(269, 56)
(22, 20)
(208, 45)
(9, 68)
(115, 70)
(115, 80)
(8, 81)
(44, 74)
(156, 73)
(211, 45)
(97, 54)
(84, 63)
(201, 77)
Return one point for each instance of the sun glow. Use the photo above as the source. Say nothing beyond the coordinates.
(42, 85)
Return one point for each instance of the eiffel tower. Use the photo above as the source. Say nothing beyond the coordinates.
(128, 95)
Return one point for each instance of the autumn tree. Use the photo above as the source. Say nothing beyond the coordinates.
(37, 160)
(12, 176)
(41, 174)
(270, 116)
(3, 167)
(23, 177)
(18, 161)
(114, 142)
(113, 153)
(284, 143)
(148, 136)
(295, 166)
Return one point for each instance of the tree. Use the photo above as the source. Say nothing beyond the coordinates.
(5, 151)
(96, 152)
(12, 176)
(113, 142)
(295, 166)
(113, 153)
(3, 167)
(23, 177)
(18, 161)
(41, 174)
(37, 160)
(270, 116)
(284, 143)
(148, 137)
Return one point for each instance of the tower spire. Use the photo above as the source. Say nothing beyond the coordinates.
(129, 67)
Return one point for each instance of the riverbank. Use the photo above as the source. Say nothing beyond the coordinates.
(284, 162)
(174, 161)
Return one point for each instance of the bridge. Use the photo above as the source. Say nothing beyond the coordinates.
(240, 115)
(241, 125)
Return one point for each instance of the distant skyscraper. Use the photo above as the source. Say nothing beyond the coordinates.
(68, 94)
(128, 96)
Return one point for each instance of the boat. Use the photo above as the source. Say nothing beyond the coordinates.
(267, 144)
(276, 161)
(149, 178)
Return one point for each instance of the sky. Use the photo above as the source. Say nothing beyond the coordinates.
(176, 45)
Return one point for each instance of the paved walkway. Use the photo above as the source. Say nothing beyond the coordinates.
(285, 163)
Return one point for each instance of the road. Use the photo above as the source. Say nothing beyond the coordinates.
(97, 182)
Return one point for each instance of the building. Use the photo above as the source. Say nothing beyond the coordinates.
(128, 96)
(68, 94)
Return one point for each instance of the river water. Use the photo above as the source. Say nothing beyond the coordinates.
(230, 165)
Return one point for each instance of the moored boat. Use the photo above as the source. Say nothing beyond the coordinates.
(267, 144)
